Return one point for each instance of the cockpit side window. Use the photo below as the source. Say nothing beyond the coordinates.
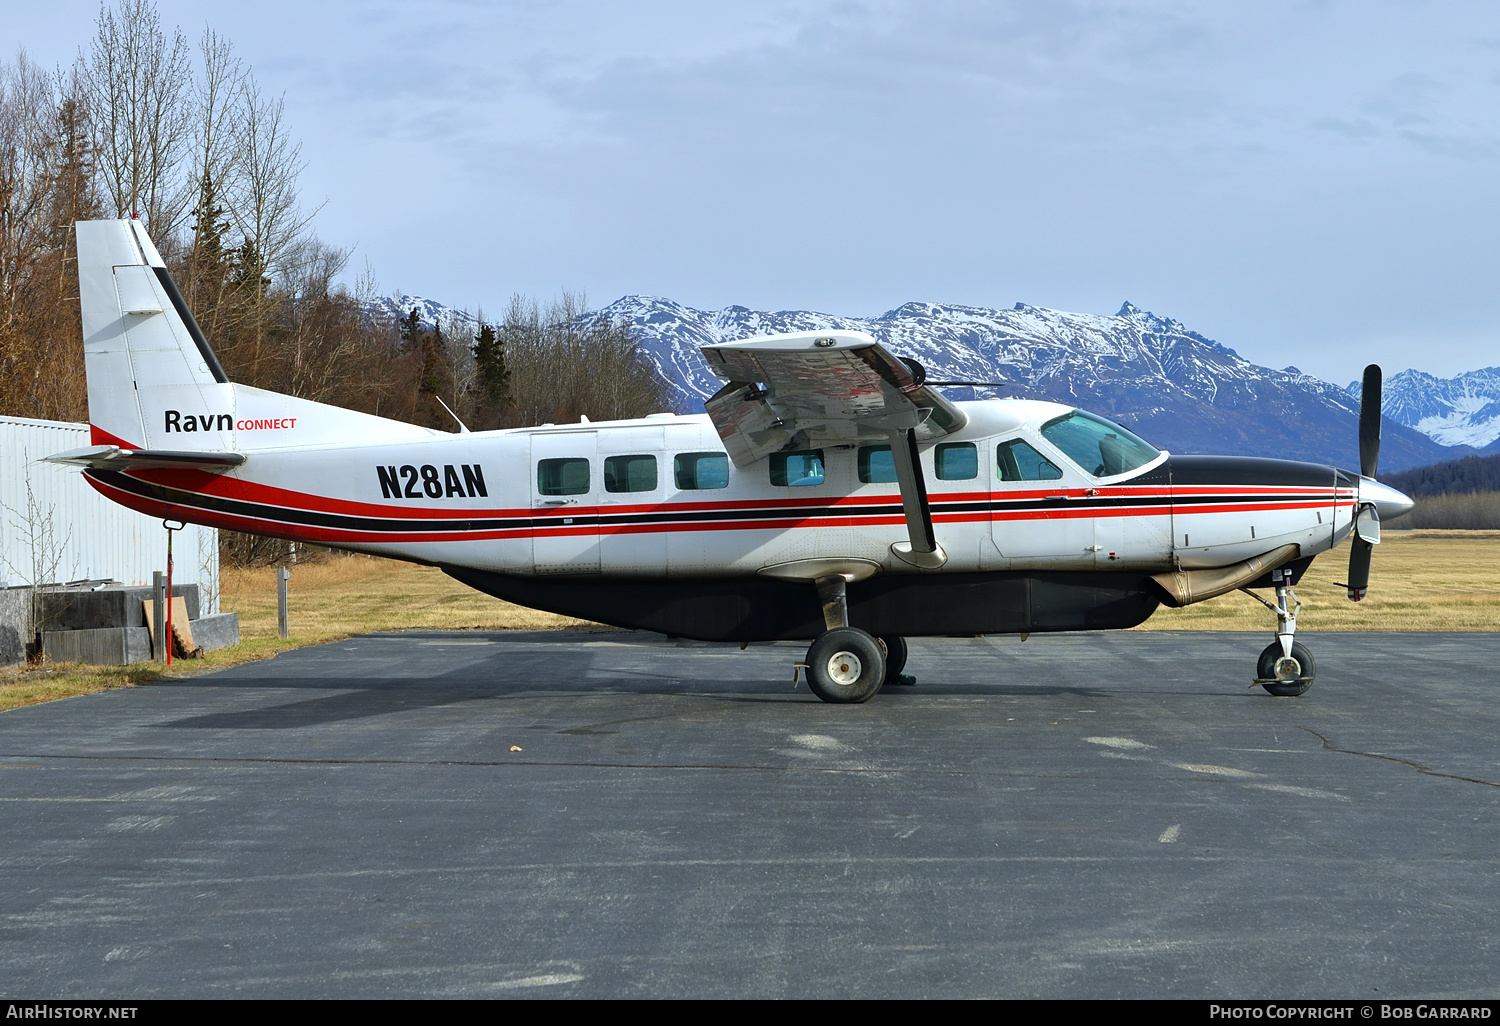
(1098, 446)
(1017, 461)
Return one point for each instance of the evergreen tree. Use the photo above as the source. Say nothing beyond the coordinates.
(433, 349)
(494, 378)
(431, 381)
(410, 327)
(211, 263)
(72, 196)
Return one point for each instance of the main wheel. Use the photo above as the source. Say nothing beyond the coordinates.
(895, 658)
(1286, 677)
(845, 665)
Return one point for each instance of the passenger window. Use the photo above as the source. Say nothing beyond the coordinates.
(794, 469)
(1017, 461)
(695, 470)
(956, 461)
(876, 464)
(630, 474)
(562, 477)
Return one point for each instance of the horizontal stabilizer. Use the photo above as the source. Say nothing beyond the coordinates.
(112, 457)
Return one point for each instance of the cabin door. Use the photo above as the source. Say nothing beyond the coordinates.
(564, 502)
(1039, 514)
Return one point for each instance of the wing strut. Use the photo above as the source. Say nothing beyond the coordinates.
(922, 550)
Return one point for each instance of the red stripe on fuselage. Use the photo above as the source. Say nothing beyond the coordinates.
(99, 436)
(270, 524)
(232, 486)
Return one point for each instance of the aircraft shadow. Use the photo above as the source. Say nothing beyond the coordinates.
(565, 666)
(373, 698)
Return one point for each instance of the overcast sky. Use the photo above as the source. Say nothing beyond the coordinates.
(1310, 183)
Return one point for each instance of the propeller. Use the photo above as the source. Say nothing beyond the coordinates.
(1369, 422)
(1366, 519)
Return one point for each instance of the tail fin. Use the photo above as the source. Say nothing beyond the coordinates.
(154, 383)
(140, 342)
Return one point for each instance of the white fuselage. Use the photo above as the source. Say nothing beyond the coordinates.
(479, 500)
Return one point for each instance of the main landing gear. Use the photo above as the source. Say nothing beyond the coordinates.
(847, 664)
(1286, 668)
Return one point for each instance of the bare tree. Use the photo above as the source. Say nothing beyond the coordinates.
(262, 193)
(46, 552)
(45, 184)
(217, 92)
(138, 82)
(27, 154)
(263, 185)
(564, 363)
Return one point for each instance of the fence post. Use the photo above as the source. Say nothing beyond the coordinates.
(158, 616)
(283, 631)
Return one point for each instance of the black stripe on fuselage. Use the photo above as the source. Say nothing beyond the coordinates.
(666, 516)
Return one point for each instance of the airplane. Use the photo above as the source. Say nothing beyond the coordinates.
(829, 494)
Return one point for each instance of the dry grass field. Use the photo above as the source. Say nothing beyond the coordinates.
(344, 595)
(1422, 581)
(1419, 581)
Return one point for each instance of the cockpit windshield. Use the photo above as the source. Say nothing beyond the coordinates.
(1098, 446)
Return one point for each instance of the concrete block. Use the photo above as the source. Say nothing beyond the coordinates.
(73, 609)
(218, 631)
(15, 625)
(100, 646)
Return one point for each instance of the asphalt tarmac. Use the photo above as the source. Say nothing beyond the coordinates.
(615, 814)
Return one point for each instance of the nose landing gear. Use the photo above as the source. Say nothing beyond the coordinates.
(1286, 668)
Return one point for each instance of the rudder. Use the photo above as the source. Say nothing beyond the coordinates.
(142, 349)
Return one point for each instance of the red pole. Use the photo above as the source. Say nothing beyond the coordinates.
(169, 596)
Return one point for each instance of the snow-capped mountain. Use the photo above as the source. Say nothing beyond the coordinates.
(1451, 411)
(429, 311)
(1177, 388)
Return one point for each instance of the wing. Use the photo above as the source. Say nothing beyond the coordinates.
(816, 388)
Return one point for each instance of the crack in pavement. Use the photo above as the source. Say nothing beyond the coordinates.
(1329, 746)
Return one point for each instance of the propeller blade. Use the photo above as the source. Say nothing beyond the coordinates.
(1359, 568)
(1369, 424)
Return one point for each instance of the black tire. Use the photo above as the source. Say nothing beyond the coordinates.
(895, 656)
(845, 665)
(1307, 669)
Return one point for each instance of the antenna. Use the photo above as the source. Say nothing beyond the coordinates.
(462, 427)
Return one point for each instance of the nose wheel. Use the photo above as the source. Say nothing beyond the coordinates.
(1286, 675)
(1286, 668)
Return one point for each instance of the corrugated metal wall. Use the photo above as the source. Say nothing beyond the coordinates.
(53, 525)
